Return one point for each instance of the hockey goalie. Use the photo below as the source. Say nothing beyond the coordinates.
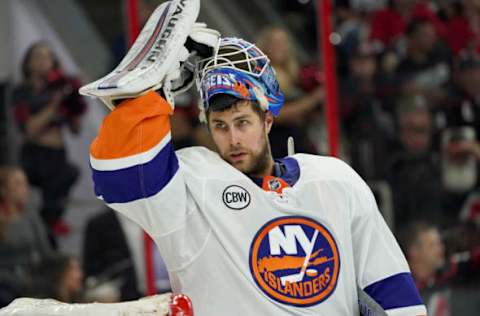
(241, 232)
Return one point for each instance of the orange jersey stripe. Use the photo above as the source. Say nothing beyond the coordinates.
(135, 126)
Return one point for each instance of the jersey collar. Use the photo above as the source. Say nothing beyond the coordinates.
(286, 173)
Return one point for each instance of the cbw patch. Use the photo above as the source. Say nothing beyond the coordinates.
(235, 197)
(295, 261)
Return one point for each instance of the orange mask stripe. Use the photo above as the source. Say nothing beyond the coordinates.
(135, 126)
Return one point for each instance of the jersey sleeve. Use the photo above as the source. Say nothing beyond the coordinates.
(135, 168)
(381, 268)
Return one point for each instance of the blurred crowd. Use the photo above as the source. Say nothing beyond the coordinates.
(409, 114)
(409, 104)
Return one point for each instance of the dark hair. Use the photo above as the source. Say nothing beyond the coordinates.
(47, 276)
(28, 56)
(343, 4)
(254, 105)
(411, 103)
(415, 24)
(409, 235)
(466, 61)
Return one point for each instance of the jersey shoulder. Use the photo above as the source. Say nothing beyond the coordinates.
(323, 168)
(197, 152)
(202, 162)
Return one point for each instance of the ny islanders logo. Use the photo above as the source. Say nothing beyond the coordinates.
(295, 261)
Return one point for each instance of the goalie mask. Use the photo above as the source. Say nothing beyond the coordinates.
(238, 70)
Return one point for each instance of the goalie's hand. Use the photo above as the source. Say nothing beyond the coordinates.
(201, 43)
(202, 40)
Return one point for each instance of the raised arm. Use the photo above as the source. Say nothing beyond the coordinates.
(133, 160)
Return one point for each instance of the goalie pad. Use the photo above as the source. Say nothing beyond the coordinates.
(157, 305)
(156, 58)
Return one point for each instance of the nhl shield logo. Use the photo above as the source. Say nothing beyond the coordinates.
(295, 261)
(274, 184)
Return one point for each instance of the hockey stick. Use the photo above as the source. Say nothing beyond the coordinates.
(292, 278)
(290, 146)
(367, 305)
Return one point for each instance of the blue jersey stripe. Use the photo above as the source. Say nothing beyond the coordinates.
(140, 181)
(396, 291)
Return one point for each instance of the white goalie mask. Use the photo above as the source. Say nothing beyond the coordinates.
(239, 69)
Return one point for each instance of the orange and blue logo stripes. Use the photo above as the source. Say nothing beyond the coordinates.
(295, 261)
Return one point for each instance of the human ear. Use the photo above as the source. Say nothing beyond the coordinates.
(268, 121)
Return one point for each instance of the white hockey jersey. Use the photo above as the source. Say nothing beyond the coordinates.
(237, 249)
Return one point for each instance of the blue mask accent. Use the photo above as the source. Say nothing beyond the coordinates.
(237, 83)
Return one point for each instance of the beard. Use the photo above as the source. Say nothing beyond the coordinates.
(255, 163)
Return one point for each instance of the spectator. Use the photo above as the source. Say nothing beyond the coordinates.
(462, 106)
(389, 24)
(413, 170)
(461, 18)
(299, 106)
(22, 228)
(366, 123)
(425, 67)
(300, 18)
(59, 277)
(45, 102)
(425, 252)
(433, 273)
(23, 239)
(119, 255)
(461, 154)
(459, 118)
(353, 28)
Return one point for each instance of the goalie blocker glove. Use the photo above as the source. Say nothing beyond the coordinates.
(163, 56)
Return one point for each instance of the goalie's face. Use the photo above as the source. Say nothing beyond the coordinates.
(241, 136)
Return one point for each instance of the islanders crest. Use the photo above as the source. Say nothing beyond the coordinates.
(295, 261)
